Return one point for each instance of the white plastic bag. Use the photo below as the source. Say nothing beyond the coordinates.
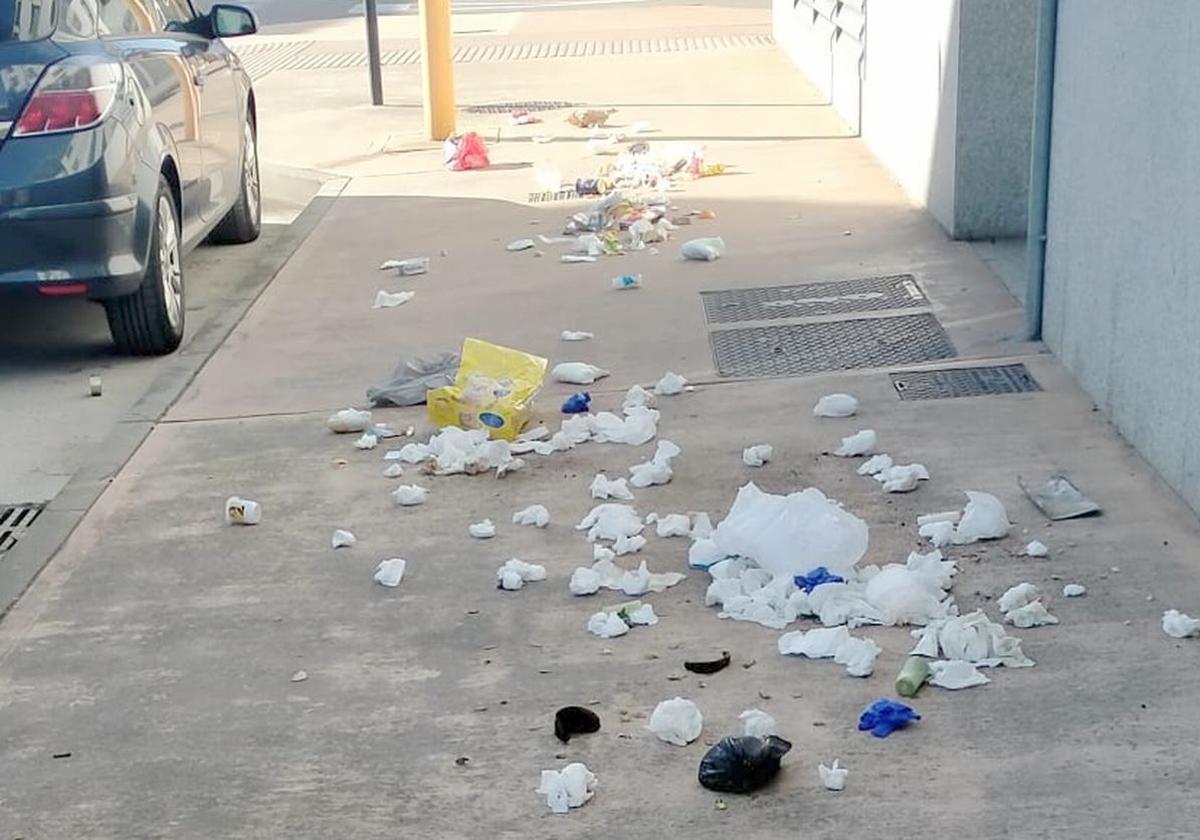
(568, 788)
(410, 495)
(984, 518)
(1036, 549)
(349, 420)
(367, 441)
(677, 721)
(393, 470)
(1074, 590)
(535, 515)
(577, 373)
(671, 384)
(705, 249)
(390, 572)
(1179, 625)
(637, 397)
(904, 596)
(836, 405)
(834, 778)
(757, 723)
(757, 455)
(858, 444)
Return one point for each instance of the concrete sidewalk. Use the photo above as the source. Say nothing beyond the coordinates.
(157, 648)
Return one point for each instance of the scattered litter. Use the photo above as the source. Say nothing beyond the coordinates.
(836, 405)
(1074, 590)
(390, 572)
(875, 465)
(535, 515)
(757, 723)
(883, 717)
(466, 151)
(742, 764)
(610, 521)
(951, 516)
(367, 441)
(607, 625)
(1179, 625)
(484, 530)
(606, 574)
(349, 420)
(858, 444)
(628, 545)
(576, 258)
(492, 390)
(576, 335)
(569, 788)
(577, 403)
(658, 469)
(393, 470)
(972, 637)
(519, 245)
(705, 249)
(670, 385)
(702, 527)
(603, 487)
(343, 539)
(95, 385)
(239, 511)
(984, 518)
(386, 300)
(627, 281)
(410, 495)
(1036, 549)
(955, 674)
(299, 676)
(520, 116)
(673, 525)
(834, 778)
(939, 533)
(514, 574)
(577, 373)
(413, 378)
(708, 666)
(407, 268)
(858, 655)
(1059, 499)
(902, 478)
(816, 577)
(757, 455)
(677, 721)
(574, 720)
(1017, 597)
(590, 118)
(914, 674)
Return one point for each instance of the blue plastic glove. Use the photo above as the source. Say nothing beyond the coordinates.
(577, 403)
(883, 717)
(816, 577)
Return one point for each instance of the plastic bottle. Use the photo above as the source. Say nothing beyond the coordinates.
(627, 281)
(912, 676)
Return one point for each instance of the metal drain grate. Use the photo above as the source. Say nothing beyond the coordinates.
(544, 197)
(964, 382)
(506, 107)
(899, 291)
(799, 349)
(14, 522)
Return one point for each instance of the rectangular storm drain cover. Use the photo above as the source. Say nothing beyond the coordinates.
(964, 382)
(545, 197)
(866, 294)
(14, 522)
(799, 349)
(526, 105)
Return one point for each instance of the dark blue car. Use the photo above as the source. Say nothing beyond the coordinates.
(127, 136)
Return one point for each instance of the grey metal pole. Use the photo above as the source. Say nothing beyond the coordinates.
(371, 11)
(1039, 170)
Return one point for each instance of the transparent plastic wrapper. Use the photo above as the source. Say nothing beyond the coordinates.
(706, 249)
(1179, 625)
(389, 300)
(833, 778)
(492, 390)
(677, 721)
(742, 764)
(413, 378)
(758, 723)
(836, 405)
(1074, 590)
(791, 535)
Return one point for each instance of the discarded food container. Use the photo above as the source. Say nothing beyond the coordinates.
(627, 281)
(912, 676)
(492, 390)
(239, 511)
(577, 403)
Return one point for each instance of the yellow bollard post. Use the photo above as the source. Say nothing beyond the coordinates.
(437, 68)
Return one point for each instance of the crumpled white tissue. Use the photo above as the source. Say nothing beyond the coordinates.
(758, 724)
(515, 573)
(938, 533)
(1017, 596)
(677, 721)
(367, 441)
(702, 527)
(603, 487)
(386, 300)
(393, 470)
(642, 616)
(905, 596)
(576, 335)
(757, 455)
(410, 495)
(1036, 549)
(348, 420)
(658, 469)
(611, 521)
(1179, 625)
(858, 655)
(606, 574)
(875, 465)
(972, 637)
(343, 539)
(673, 525)
(637, 397)
(607, 625)
(672, 384)
(1033, 614)
(984, 518)
(577, 373)
(535, 515)
(584, 581)
(484, 530)
(454, 451)
(1074, 590)
(834, 778)
(955, 674)
(836, 405)
(902, 478)
(859, 443)
(390, 572)
(628, 545)
(569, 788)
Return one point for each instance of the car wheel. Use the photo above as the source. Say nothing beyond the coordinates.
(243, 222)
(149, 322)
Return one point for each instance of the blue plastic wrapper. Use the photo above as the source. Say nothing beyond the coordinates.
(577, 403)
(883, 717)
(816, 577)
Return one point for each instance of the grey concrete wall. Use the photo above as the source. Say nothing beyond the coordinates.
(1122, 296)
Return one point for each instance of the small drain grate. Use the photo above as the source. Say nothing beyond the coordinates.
(14, 522)
(899, 291)
(546, 197)
(964, 382)
(506, 107)
(799, 349)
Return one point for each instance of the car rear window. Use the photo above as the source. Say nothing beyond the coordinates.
(27, 20)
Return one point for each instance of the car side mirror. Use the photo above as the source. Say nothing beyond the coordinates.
(229, 21)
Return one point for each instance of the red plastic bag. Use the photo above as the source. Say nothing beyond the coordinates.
(466, 152)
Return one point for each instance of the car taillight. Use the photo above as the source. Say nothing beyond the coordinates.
(73, 94)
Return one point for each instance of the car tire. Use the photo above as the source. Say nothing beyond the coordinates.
(243, 222)
(150, 321)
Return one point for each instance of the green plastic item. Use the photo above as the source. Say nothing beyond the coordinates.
(912, 676)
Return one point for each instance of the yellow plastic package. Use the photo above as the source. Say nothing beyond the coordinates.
(492, 390)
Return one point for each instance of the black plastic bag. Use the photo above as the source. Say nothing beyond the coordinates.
(575, 720)
(742, 764)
